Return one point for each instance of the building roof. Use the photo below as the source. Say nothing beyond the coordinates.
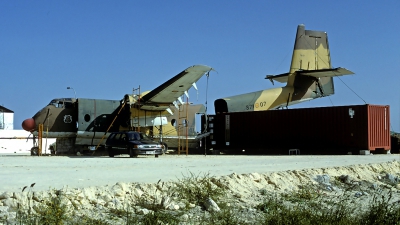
(4, 109)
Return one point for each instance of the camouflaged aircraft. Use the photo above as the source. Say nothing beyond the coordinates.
(310, 77)
(81, 124)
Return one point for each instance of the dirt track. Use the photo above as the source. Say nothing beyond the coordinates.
(50, 172)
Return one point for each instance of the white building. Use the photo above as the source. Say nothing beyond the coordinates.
(17, 141)
(6, 119)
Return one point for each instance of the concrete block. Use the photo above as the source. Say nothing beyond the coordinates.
(365, 152)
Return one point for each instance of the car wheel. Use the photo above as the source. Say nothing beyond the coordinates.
(110, 152)
(131, 153)
(156, 156)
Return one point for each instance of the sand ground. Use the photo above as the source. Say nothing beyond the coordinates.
(56, 172)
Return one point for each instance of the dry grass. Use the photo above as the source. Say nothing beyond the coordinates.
(304, 206)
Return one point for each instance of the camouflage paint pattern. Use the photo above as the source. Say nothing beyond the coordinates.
(59, 115)
(86, 121)
(311, 53)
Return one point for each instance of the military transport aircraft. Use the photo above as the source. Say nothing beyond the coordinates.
(310, 77)
(81, 123)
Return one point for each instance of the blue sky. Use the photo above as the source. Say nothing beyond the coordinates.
(104, 49)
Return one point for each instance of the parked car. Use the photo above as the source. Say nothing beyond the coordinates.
(133, 143)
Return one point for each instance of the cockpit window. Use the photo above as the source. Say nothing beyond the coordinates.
(57, 103)
(62, 103)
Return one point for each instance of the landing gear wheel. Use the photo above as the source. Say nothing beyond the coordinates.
(52, 150)
(34, 150)
(165, 147)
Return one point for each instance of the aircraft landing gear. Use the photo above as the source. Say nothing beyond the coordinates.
(52, 150)
(34, 151)
(165, 147)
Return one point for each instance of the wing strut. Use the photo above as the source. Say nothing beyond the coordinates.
(208, 76)
(287, 102)
(205, 115)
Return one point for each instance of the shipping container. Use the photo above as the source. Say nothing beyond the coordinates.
(322, 130)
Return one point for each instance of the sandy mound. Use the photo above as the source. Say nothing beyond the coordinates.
(244, 192)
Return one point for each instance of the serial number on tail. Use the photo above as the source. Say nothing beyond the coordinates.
(256, 105)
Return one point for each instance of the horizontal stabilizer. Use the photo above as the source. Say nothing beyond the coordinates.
(283, 78)
(325, 72)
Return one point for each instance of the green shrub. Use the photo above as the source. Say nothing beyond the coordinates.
(197, 188)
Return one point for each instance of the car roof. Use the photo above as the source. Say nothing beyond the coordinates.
(126, 132)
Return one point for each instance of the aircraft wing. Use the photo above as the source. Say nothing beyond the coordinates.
(164, 95)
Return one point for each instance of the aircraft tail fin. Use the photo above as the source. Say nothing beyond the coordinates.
(311, 50)
(311, 62)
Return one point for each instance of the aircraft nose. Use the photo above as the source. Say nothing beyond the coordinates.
(29, 124)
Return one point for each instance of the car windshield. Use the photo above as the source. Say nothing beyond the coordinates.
(138, 136)
(145, 137)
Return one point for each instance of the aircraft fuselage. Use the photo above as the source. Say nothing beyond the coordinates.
(84, 122)
(264, 100)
